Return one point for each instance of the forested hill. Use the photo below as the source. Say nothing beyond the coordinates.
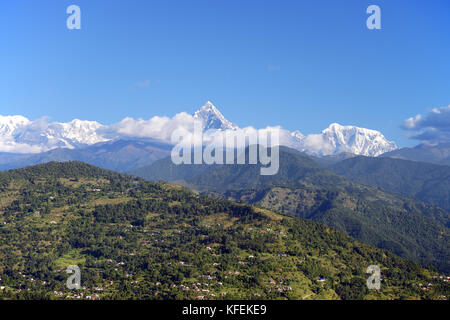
(139, 240)
(427, 182)
(58, 170)
(302, 188)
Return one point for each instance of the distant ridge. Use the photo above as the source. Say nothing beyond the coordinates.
(426, 182)
(437, 154)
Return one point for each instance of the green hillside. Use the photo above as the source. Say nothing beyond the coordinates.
(139, 240)
(424, 181)
(302, 188)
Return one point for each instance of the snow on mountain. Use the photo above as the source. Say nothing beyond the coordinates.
(10, 123)
(20, 135)
(333, 140)
(79, 131)
(212, 118)
(297, 135)
(337, 139)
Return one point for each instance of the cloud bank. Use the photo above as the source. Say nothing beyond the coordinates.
(433, 128)
(162, 128)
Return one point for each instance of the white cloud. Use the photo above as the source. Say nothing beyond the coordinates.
(16, 134)
(159, 128)
(317, 144)
(432, 128)
(12, 147)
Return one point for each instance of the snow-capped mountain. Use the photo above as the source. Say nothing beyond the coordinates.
(20, 135)
(333, 140)
(337, 139)
(10, 123)
(212, 118)
(356, 140)
(79, 132)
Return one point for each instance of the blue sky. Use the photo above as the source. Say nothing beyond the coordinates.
(298, 64)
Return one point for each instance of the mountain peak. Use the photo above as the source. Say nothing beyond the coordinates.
(209, 105)
(212, 118)
(10, 123)
(360, 141)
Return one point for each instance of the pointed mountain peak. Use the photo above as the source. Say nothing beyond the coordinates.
(209, 105)
(212, 118)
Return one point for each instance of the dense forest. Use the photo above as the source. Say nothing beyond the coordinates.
(427, 182)
(134, 239)
(303, 188)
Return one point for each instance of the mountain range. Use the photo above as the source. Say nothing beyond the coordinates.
(20, 135)
(119, 155)
(386, 201)
(33, 142)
